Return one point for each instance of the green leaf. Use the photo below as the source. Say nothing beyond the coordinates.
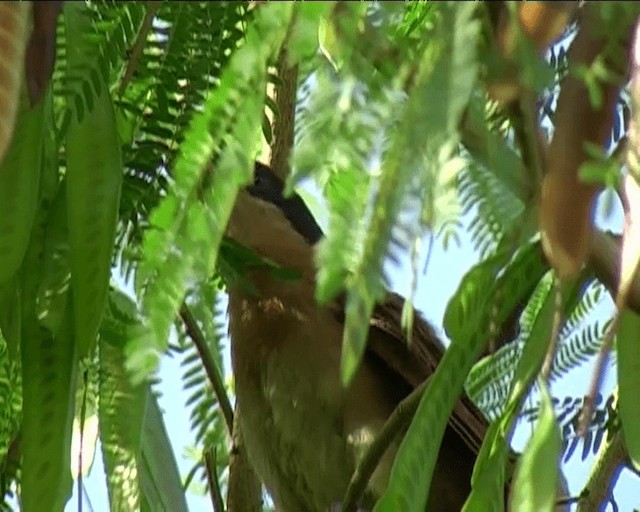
(629, 382)
(94, 181)
(492, 456)
(11, 316)
(357, 313)
(413, 467)
(49, 375)
(52, 299)
(238, 260)
(20, 172)
(445, 82)
(305, 36)
(159, 476)
(518, 282)
(347, 193)
(221, 136)
(542, 307)
(537, 344)
(536, 479)
(487, 492)
(49, 363)
(122, 410)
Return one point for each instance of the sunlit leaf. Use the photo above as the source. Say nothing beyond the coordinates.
(536, 479)
(629, 382)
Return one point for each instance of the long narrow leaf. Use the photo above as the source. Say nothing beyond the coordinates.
(413, 468)
(535, 483)
(94, 181)
(122, 411)
(160, 478)
(629, 382)
(430, 119)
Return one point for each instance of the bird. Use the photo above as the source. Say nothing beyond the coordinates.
(303, 430)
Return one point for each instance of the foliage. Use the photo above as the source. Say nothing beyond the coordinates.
(131, 164)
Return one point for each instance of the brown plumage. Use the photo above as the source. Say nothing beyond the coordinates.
(304, 433)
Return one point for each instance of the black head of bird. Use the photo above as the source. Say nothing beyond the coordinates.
(281, 229)
(304, 432)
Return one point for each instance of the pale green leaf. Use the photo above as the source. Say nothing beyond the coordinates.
(629, 382)
(536, 479)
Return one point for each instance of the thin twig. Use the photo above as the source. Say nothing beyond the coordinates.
(210, 366)
(137, 49)
(532, 146)
(210, 464)
(399, 419)
(598, 372)
(555, 330)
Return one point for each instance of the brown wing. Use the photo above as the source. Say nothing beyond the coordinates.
(412, 364)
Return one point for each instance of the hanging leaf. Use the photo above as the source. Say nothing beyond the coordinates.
(536, 478)
(629, 382)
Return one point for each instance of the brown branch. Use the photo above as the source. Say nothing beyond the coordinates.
(604, 257)
(604, 474)
(566, 200)
(596, 378)
(629, 256)
(245, 491)
(540, 23)
(210, 464)
(135, 54)
(604, 247)
(211, 368)
(283, 95)
(285, 99)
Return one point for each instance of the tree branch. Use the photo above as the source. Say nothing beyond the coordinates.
(276, 155)
(604, 257)
(211, 368)
(245, 489)
(604, 474)
(210, 464)
(135, 54)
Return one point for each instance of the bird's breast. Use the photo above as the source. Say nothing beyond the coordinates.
(303, 431)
